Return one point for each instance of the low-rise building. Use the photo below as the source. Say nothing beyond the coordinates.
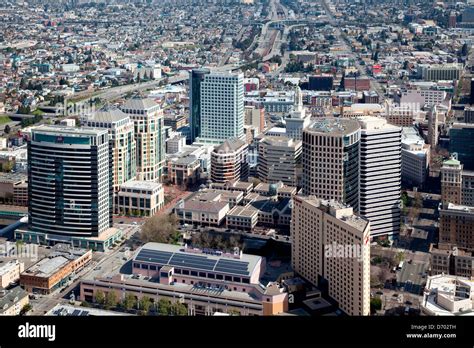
(448, 295)
(456, 226)
(207, 281)
(144, 198)
(12, 301)
(10, 272)
(54, 271)
(447, 259)
(14, 188)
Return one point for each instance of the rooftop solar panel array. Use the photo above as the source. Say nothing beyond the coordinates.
(233, 267)
(157, 256)
(192, 261)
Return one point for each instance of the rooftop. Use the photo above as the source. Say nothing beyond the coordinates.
(107, 116)
(199, 259)
(9, 297)
(140, 185)
(139, 104)
(335, 126)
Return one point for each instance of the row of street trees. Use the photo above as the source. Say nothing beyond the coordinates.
(143, 306)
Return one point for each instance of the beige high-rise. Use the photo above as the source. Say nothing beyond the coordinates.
(147, 117)
(331, 243)
(330, 160)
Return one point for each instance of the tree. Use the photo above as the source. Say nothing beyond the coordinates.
(99, 297)
(26, 308)
(145, 304)
(375, 304)
(110, 299)
(128, 302)
(7, 129)
(164, 307)
(159, 229)
(180, 309)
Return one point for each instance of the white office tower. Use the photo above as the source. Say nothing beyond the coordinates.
(147, 117)
(331, 249)
(380, 175)
(222, 107)
(297, 120)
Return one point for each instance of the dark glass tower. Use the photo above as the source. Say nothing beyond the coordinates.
(196, 76)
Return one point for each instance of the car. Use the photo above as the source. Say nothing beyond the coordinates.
(395, 295)
(408, 303)
(120, 222)
(379, 293)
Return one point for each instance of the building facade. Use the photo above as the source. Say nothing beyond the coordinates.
(229, 161)
(330, 159)
(221, 107)
(380, 175)
(320, 230)
(122, 142)
(140, 198)
(147, 117)
(278, 160)
(69, 181)
(456, 226)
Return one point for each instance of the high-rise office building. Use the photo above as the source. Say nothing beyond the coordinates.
(122, 141)
(196, 76)
(221, 107)
(460, 142)
(69, 181)
(330, 160)
(331, 250)
(380, 175)
(147, 117)
(278, 160)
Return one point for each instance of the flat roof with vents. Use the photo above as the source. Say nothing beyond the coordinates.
(199, 260)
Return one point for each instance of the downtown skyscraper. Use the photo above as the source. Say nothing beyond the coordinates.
(330, 160)
(380, 175)
(217, 106)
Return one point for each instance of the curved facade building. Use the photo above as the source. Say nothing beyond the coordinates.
(229, 162)
(69, 181)
(331, 160)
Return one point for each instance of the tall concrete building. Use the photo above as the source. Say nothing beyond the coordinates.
(380, 175)
(331, 250)
(147, 117)
(69, 181)
(221, 107)
(196, 76)
(330, 160)
(451, 181)
(122, 143)
(279, 160)
(229, 161)
(433, 122)
(457, 184)
(415, 157)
